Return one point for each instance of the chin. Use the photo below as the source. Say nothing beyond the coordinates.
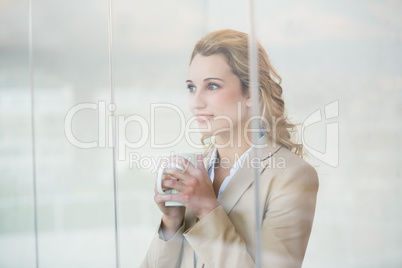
(206, 134)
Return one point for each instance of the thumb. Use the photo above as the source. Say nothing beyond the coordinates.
(200, 162)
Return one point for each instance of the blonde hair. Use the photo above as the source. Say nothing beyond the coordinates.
(234, 46)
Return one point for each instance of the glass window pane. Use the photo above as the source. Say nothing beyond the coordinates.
(74, 180)
(16, 181)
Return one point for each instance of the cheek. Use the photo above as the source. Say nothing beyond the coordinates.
(225, 101)
(191, 102)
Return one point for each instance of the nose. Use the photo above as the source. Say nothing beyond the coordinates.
(197, 101)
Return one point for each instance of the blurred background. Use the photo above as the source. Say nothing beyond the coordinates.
(345, 53)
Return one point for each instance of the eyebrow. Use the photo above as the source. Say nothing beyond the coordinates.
(206, 79)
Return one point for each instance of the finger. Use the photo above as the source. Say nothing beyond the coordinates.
(174, 184)
(174, 172)
(187, 165)
(161, 198)
(158, 193)
(157, 198)
(165, 182)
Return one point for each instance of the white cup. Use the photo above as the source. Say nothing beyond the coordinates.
(192, 158)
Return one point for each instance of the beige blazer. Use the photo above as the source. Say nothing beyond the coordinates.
(226, 236)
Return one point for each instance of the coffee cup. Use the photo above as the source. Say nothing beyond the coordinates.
(191, 157)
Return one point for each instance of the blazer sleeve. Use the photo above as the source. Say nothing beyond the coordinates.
(163, 253)
(285, 227)
(289, 216)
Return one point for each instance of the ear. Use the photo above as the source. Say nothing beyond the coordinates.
(249, 102)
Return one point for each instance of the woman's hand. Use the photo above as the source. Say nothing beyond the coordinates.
(195, 189)
(171, 213)
(172, 217)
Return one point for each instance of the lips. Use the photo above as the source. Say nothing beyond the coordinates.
(203, 117)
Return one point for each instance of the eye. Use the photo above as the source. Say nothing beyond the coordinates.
(191, 88)
(212, 86)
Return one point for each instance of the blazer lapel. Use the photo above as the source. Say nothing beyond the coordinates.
(244, 176)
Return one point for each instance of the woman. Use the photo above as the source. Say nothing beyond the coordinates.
(216, 226)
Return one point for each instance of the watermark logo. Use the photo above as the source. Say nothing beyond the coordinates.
(108, 121)
(330, 156)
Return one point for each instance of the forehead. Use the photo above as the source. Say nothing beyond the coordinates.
(209, 66)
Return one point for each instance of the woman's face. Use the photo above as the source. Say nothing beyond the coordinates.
(215, 96)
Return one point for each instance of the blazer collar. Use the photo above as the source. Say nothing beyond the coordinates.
(254, 164)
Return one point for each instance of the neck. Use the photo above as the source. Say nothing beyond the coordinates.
(230, 148)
